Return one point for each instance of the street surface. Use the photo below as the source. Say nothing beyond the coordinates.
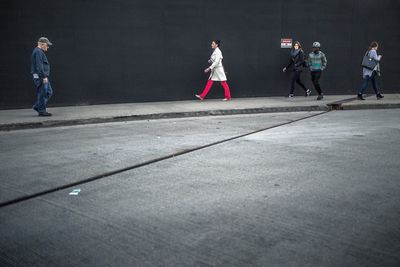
(280, 189)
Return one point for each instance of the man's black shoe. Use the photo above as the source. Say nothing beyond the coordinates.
(360, 97)
(320, 97)
(44, 114)
(35, 108)
(379, 96)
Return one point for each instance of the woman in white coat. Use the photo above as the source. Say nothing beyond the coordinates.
(217, 72)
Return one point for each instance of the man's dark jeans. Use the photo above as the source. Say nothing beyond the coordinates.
(43, 94)
(315, 76)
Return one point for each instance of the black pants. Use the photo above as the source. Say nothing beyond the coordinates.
(296, 78)
(315, 76)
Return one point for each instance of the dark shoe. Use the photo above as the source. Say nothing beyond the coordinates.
(360, 97)
(320, 97)
(35, 108)
(308, 92)
(379, 96)
(45, 114)
(290, 95)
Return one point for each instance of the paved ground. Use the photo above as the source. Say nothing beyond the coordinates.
(66, 116)
(311, 189)
(36, 160)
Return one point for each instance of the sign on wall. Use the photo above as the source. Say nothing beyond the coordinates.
(286, 43)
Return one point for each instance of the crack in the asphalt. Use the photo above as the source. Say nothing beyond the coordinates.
(149, 162)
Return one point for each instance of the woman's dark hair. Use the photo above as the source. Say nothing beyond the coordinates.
(297, 43)
(372, 45)
(217, 42)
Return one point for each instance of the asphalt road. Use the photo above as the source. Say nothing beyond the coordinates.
(312, 189)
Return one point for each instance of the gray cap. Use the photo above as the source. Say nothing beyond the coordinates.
(44, 40)
(316, 44)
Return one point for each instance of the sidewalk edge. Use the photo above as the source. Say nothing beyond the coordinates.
(154, 116)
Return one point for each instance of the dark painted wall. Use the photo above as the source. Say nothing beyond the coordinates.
(141, 50)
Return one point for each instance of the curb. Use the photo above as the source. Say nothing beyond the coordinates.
(371, 106)
(156, 116)
(344, 104)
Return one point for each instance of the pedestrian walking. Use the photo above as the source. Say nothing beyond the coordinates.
(217, 72)
(40, 70)
(370, 70)
(298, 61)
(317, 63)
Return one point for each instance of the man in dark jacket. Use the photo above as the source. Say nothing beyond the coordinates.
(40, 70)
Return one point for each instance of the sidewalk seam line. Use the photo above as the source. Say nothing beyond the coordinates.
(149, 162)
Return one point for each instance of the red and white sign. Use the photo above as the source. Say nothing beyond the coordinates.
(286, 43)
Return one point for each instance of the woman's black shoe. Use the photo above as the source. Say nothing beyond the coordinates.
(360, 97)
(44, 114)
(379, 96)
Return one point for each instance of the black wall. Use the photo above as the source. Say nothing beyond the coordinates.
(139, 50)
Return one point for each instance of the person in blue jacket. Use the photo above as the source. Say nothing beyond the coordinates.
(40, 70)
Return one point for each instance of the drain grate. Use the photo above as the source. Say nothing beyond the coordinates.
(338, 104)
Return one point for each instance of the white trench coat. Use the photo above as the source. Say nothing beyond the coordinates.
(217, 69)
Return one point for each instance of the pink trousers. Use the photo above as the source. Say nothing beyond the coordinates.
(208, 87)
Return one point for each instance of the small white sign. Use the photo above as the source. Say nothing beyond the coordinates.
(286, 43)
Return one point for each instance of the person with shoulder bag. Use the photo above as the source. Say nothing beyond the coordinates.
(298, 62)
(370, 69)
(317, 63)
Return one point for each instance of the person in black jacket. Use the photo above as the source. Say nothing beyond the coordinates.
(40, 70)
(298, 61)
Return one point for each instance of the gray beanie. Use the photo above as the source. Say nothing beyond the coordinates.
(316, 44)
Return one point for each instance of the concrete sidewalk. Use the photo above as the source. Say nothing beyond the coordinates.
(74, 115)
